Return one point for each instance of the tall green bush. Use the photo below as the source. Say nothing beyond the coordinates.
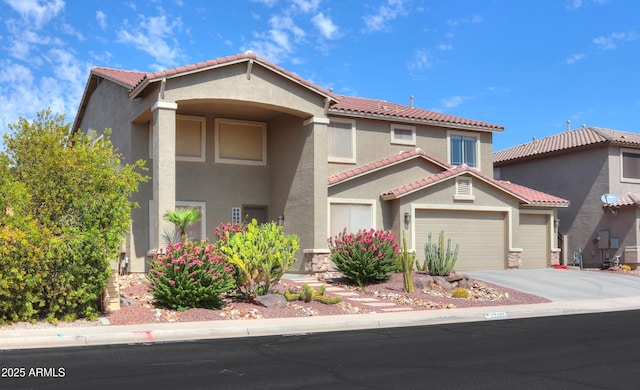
(365, 257)
(261, 255)
(65, 198)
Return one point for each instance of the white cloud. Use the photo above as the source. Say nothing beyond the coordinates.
(378, 21)
(453, 101)
(101, 18)
(456, 22)
(611, 41)
(268, 3)
(572, 59)
(307, 6)
(444, 47)
(576, 4)
(325, 25)
(155, 36)
(36, 12)
(419, 61)
(279, 42)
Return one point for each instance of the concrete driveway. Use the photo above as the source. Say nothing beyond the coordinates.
(564, 285)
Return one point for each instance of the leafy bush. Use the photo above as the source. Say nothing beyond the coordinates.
(190, 274)
(261, 255)
(64, 210)
(364, 257)
(438, 259)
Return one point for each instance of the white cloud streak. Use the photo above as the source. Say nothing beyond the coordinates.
(154, 36)
(379, 20)
(326, 26)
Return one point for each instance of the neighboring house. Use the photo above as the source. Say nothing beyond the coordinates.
(239, 136)
(583, 165)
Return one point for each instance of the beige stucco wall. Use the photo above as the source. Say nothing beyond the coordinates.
(580, 177)
(290, 184)
(373, 142)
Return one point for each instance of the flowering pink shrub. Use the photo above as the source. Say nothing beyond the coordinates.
(190, 274)
(364, 257)
(232, 228)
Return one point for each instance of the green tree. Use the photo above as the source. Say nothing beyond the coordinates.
(183, 218)
(64, 211)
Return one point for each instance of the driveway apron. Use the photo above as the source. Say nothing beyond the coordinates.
(564, 285)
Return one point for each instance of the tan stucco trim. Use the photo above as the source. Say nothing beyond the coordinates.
(165, 105)
(316, 120)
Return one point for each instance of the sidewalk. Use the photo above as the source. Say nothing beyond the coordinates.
(166, 332)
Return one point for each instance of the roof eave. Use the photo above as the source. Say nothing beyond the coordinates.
(458, 126)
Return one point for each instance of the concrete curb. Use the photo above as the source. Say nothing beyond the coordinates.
(184, 331)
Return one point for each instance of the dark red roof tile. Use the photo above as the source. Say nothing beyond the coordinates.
(527, 195)
(385, 162)
(566, 141)
(356, 105)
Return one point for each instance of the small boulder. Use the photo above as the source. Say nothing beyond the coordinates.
(442, 282)
(423, 281)
(454, 278)
(271, 300)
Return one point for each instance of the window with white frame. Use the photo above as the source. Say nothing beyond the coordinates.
(190, 138)
(351, 215)
(463, 150)
(630, 165)
(403, 134)
(240, 142)
(341, 140)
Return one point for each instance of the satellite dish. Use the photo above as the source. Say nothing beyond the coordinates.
(608, 199)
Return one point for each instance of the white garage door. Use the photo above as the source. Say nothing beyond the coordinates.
(481, 236)
(532, 237)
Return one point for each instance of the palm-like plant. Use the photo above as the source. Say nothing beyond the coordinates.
(183, 218)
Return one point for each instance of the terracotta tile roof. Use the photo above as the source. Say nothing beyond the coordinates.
(526, 195)
(381, 108)
(126, 78)
(565, 142)
(134, 79)
(384, 163)
(629, 199)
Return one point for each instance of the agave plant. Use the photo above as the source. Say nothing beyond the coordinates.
(183, 218)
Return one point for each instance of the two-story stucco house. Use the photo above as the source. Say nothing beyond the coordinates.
(583, 165)
(239, 136)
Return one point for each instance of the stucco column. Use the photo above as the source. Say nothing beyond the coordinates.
(320, 177)
(164, 169)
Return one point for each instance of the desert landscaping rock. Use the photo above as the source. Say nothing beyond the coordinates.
(271, 300)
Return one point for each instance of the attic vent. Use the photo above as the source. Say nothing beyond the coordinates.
(464, 189)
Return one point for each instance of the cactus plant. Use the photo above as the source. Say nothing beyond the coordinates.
(308, 294)
(439, 261)
(460, 292)
(407, 265)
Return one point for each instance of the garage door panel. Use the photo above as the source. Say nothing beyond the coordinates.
(532, 238)
(481, 236)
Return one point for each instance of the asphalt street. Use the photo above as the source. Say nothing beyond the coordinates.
(582, 351)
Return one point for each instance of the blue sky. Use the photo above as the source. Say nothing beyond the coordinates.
(528, 65)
